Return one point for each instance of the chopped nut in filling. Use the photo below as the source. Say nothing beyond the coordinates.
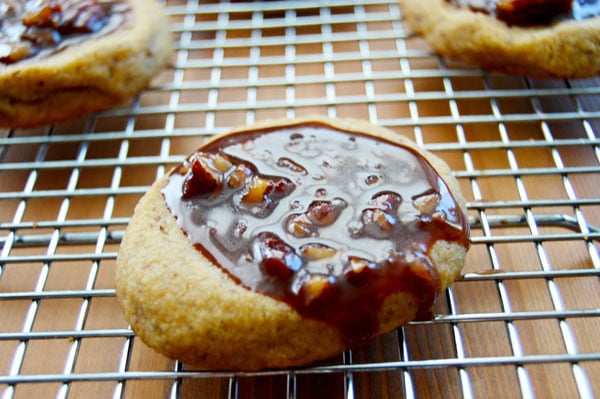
(329, 222)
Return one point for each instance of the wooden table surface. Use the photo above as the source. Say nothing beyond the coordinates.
(523, 321)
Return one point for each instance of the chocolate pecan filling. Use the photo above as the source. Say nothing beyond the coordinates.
(332, 223)
(533, 12)
(31, 28)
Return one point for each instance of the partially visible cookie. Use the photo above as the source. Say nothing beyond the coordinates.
(61, 59)
(288, 241)
(499, 36)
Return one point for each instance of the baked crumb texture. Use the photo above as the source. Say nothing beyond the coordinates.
(566, 49)
(187, 308)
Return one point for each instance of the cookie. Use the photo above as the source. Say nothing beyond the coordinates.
(551, 39)
(286, 242)
(61, 59)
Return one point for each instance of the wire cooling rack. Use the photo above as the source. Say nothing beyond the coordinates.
(524, 320)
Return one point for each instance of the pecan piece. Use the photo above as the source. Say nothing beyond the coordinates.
(531, 12)
(299, 226)
(278, 258)
(13, 52)
(377, 223)
(315, 251)
(48, 15)
(426, 202)
(315, 287)
(387, 201)
(267, 189)
(83, 16)
(325, 213)
(201, 181)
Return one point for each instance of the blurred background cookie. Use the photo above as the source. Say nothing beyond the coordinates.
(61, 59)
(537, 38)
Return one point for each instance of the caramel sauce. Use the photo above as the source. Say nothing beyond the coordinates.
(32, 29)
(533, 12)
(329, 222)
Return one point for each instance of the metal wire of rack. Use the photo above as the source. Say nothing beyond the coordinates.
(522, 322)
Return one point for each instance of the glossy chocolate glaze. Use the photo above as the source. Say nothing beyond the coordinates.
(346, 220)
(533, 12)
(33, 29)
